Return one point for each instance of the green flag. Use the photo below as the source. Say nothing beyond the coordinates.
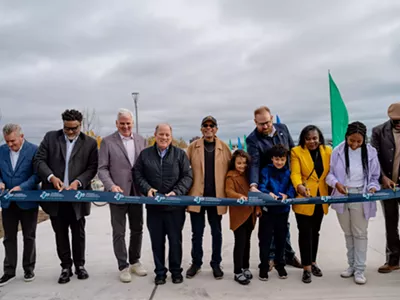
(230, 144)
(339, 115)
(244, 143)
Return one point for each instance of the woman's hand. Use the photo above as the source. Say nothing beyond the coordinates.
(303, 191)
(275, 197)
(341, 188)
(243, 198)
(284, 196)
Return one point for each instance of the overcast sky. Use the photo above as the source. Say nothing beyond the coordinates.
(188, 59)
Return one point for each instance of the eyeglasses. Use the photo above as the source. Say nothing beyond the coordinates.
(208, 125)
(71, 128)
(264, 123)
(396, 122)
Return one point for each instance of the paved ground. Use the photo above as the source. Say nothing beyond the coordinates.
(104, 284)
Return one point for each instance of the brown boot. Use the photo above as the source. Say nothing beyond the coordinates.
(295, 262)
(271, 265)
(386, 268)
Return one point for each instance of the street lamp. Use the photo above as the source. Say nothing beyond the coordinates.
(135, 97)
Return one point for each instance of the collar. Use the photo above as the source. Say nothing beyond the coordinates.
(68, 140)
(271, 165)
(19, 151)
(272, 132)
(125, 137)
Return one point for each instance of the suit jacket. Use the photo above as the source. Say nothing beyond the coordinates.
(258, 146)
(50, 159)
(223, 155)
(114, 165)
(383, 141)
(302, 165)
(23, 175)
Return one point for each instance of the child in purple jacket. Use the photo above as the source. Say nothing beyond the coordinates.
(355, 169)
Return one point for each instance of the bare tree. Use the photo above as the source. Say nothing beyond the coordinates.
(90, 122)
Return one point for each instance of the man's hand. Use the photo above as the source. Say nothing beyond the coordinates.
(2, 186)
(116, 189)
(388, 183)
(57, 183)
(372, 190)
(284, 196)
(15, 189)
(254, 189)
(170, 194)
(151, 193)
(303, 191)
(273, 196)
(73, 186)
(341, 188)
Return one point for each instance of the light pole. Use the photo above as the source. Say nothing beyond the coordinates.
(135, 97)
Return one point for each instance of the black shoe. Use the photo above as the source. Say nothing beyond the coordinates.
(263, 275)
(6, 279)
(217, 272)
(160, 279)
(192, 271)
(294, 262)
(81, 272)
(316, 271)
(242, 279)
(65, 275)
(306, 276)
(247, 273)
(29, 276)
(281, 272)
(177, 279)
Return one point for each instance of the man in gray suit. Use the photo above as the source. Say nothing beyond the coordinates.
(68, 159)
(118, 154)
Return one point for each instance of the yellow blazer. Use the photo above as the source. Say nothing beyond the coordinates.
(301, 166)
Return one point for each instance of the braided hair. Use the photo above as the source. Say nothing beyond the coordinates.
(360, 128)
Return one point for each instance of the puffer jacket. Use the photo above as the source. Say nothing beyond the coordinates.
(167, 174)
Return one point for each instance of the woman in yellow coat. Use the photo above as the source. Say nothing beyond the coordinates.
(310, 165)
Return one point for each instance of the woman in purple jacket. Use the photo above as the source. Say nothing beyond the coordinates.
(355, 170)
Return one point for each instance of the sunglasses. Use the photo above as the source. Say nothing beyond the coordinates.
(71, 128)
(208, 125)
(396, 122)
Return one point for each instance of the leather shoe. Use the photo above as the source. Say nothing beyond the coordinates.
(29, 276)
(81, 272)
(295, 262)
(316, 271)
(159, 280)
(386, 268)
(65, 275)
(177, 279)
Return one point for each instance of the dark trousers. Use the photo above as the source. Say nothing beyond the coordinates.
(241, 250)
(391, 213)
(288, 253)
(118, 222)
(11, 217)
(309, 227)
(170, 224)
(272, 225)
(198, 225)
(64, 220)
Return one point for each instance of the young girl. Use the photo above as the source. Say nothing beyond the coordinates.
(355, 170)
(242, 218)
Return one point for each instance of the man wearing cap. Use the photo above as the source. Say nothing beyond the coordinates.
(386, 140)
(259, 142)
(209, 157)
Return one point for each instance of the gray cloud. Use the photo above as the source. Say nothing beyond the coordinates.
(189, 59)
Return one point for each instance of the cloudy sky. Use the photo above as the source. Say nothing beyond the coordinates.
(188, 59)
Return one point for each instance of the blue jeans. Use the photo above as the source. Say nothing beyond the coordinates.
(289, 252)
(198, 225)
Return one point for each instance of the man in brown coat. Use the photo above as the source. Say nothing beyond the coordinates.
(386, 140)
(209, 158)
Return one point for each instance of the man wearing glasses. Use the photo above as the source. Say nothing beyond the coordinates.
(209, 158)
(386, 140)
(259, 142)
(67, 159)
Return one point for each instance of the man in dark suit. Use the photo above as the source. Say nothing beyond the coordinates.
(118, 153)
(68, 159)
(386, 140)
(259, 142)
(16, 174)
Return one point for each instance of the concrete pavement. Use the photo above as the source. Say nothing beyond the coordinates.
(104, 283)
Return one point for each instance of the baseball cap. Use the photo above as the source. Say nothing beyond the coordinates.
(209, 119)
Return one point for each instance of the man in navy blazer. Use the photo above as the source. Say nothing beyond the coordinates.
(17, 174)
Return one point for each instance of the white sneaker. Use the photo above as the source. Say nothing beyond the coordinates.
(359, 277)
(347, 273)
(125, 276)
(138, 269)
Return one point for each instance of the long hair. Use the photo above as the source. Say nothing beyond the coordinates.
(239, 153)
(306, 130)
(360, 128)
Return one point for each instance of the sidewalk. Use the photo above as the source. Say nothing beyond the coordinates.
(104, 283)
